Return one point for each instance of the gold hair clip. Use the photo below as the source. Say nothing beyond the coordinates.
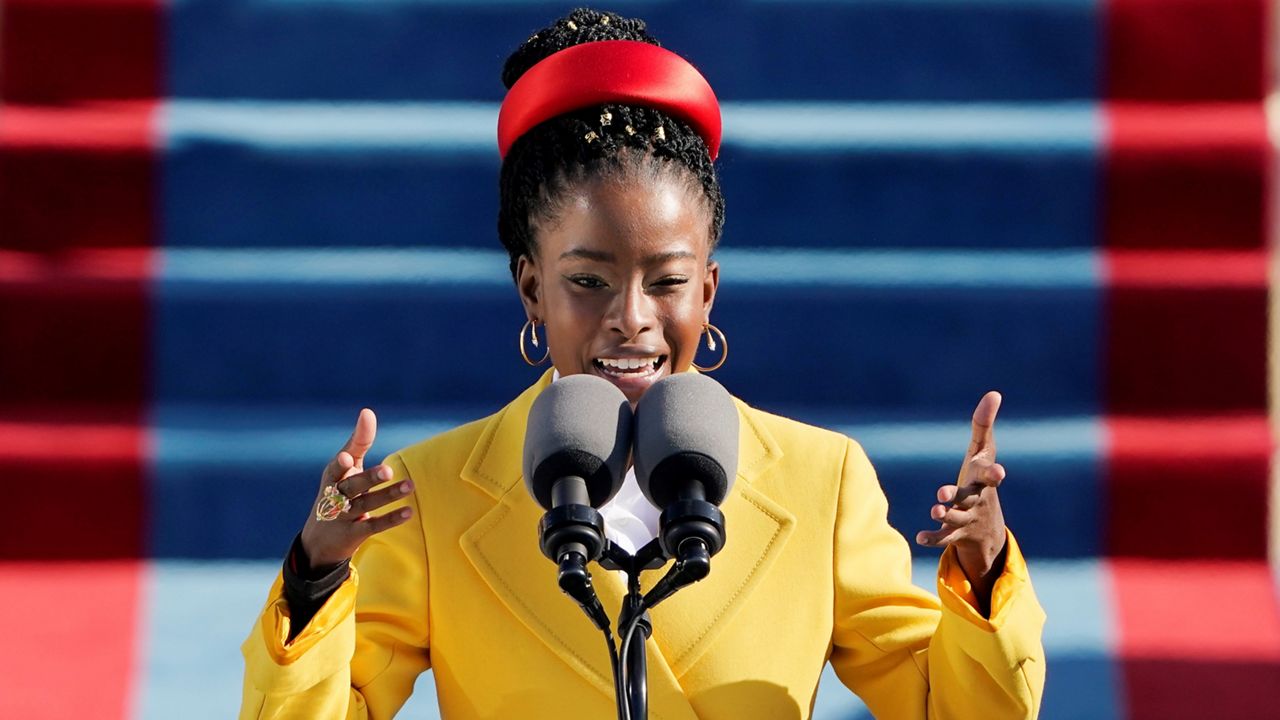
(573, 25)
(660, 134)
(630, 130)
(606, 118)
(591, 136)
(604, 20)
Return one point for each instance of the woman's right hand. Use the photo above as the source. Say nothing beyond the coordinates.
(329, 542)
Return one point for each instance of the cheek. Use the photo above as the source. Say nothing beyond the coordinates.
(571, 324)
(683, 329)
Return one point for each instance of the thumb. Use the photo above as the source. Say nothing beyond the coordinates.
(362, 437)
(983, 437)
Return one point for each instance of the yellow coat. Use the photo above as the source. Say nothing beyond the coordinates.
(811, 572)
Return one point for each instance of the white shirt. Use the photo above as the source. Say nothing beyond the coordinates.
(629, 519)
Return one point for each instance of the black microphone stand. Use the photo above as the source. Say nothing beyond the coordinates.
(631, 684)
(691, 531)
(630, 681)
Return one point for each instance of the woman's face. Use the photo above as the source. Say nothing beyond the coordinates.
(622, 276)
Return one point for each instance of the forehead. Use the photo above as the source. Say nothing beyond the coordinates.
(628, 218)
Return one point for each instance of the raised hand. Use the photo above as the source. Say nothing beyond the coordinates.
(329, 542)
(970, 511)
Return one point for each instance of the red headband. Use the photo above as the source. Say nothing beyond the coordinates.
(626, 72)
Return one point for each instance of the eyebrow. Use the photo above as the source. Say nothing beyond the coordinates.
(601, 256)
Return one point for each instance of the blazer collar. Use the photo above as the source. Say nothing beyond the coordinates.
(503, 546)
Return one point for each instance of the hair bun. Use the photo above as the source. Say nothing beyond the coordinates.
(582, 25)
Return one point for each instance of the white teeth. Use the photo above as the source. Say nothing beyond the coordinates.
(628, 363)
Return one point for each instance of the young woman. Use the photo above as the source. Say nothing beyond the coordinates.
(611, 210)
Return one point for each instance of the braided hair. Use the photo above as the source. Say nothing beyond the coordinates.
(609, 140)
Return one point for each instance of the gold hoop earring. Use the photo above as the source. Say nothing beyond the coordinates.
(708, 328)
(530, 324)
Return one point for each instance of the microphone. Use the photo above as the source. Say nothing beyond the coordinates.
(575, 453)
(686, 456)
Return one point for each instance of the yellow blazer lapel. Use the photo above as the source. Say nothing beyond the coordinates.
(503, 546)
(756, 529)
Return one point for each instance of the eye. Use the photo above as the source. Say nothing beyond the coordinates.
(672, 281)
(590, 282)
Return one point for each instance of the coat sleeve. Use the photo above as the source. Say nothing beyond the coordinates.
(360, 654)
(909, 655)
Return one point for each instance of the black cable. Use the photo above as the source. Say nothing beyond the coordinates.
(626, 635)
(618, 692)
(625, 676)
(689, 569)
(624, 697)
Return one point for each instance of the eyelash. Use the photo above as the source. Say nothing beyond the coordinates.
(597, 283)
(583, 280)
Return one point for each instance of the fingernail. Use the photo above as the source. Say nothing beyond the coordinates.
(404, 486)
(385, 473)
(404, 513)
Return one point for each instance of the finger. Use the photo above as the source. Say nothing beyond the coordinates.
(955, 517)
(937, 538)
(967, 497)
(371, 501)
(353, 450)
(981, 472)
(990, 475)
(362, 482)
(338, 468)
(362, 437)
(983, 439)
(374, 525)
(963, 497)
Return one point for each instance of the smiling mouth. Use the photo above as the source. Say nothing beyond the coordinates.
(629, 367)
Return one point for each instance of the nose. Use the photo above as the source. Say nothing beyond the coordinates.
(631, 312)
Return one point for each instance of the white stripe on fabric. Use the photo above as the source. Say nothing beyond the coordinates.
(250, 435)
(1039, 269)
(444, 126)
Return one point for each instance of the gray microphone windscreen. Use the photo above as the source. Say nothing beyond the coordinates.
(686, 429)
(579, 426)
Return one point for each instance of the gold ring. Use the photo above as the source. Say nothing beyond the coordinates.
(332, 504)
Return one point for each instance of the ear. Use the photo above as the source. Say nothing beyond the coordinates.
(710, 282)
(529, 285)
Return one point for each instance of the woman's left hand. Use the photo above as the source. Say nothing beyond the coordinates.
(970, 511)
